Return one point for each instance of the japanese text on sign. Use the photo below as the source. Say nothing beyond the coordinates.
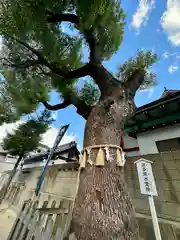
(146, 178)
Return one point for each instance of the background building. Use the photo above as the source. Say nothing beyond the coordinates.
(59, 185)
(7, 161)
(155, 127)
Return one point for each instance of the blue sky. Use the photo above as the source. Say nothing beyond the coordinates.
(151, 25)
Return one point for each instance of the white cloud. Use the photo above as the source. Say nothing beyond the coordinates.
(8, 128)
(174, 55)
(141, 16)
(48, 137)
(150, 91)
(165, 55)
(54, 115)
(172, 69)
(170, 21)
(72, 134)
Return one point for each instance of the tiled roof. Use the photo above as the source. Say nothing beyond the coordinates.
(41, 156)
(168, 93)
(164, 111)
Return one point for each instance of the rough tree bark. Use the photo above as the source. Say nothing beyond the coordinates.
(103, 208)
(12, 174)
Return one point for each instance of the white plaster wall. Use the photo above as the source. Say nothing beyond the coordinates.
(132, 154)
(130, 142)
(8, 163)
(2, 158)
(6, 166)
(147, 140)
(42, 164)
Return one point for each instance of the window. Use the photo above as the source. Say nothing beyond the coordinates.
(168, 145)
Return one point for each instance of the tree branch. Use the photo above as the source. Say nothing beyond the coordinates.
(65, 17)
(92, 45)
(33, 50)
(80, 72)
(88, 34)
(25, 64)
(82, 108)
(104, 79)
(135, 81)
(56, 107)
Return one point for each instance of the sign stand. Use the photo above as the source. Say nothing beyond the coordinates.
(154, 218)
(148, 187)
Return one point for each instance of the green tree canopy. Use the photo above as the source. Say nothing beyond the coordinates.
(40, 54)
(27, 136)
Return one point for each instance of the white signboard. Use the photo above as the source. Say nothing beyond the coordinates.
(146, 178)
(148, 187)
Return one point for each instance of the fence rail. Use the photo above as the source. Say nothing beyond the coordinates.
(36, 222)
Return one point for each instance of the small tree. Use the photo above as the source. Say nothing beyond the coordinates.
(23, 140)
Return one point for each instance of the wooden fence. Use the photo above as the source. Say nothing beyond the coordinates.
(42, 223)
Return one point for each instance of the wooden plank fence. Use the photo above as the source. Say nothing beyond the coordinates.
(42, 223)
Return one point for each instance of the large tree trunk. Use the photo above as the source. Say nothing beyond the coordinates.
(11, 176)
(103, 208)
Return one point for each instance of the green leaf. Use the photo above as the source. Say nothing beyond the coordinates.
(26, 85)
(89, 93)
(143, 61)
(106, 20)
(27, 136)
